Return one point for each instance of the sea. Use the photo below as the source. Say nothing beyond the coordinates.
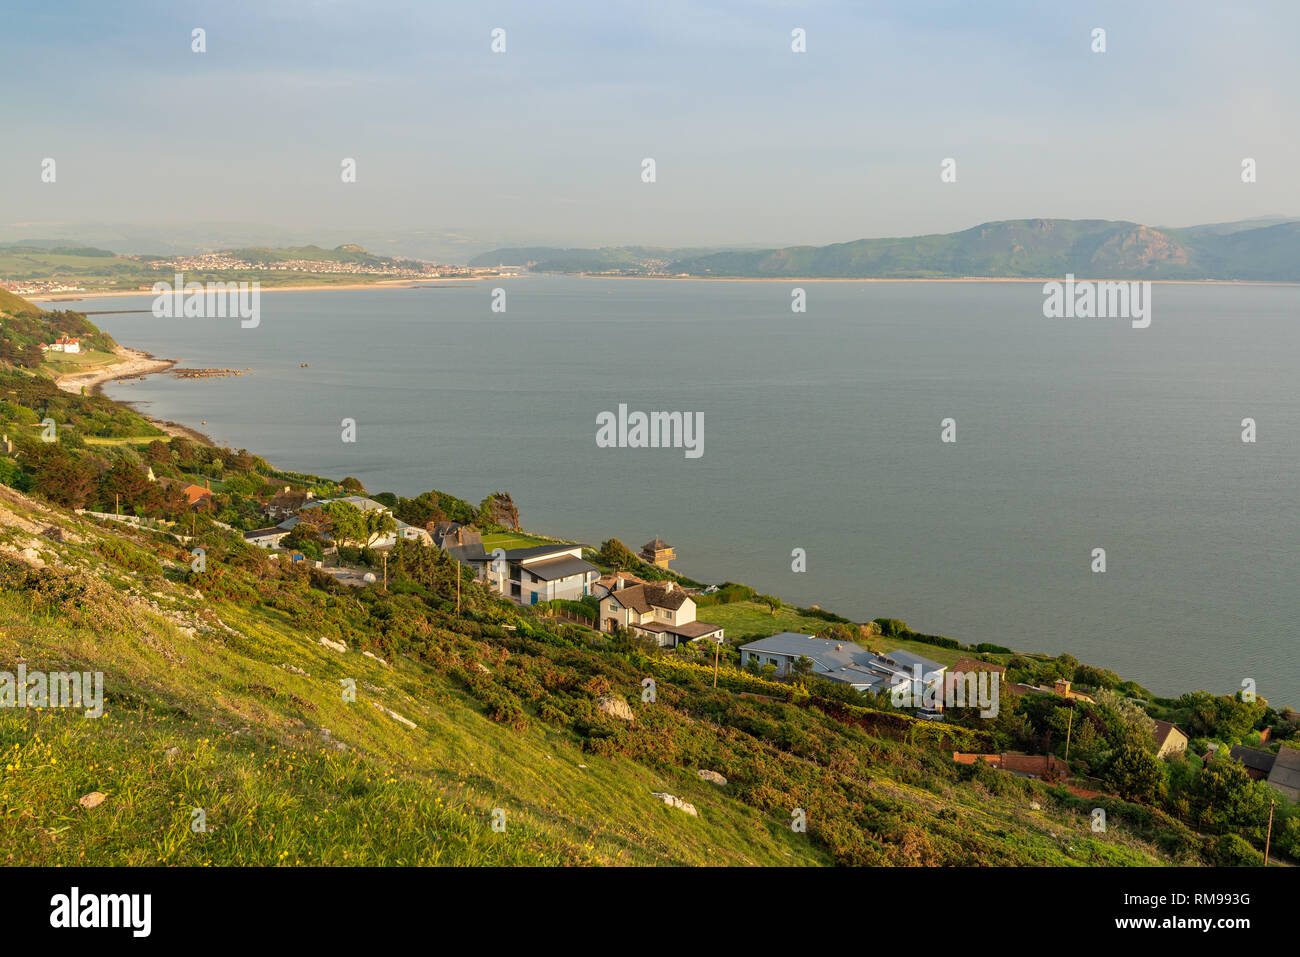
(820, 471)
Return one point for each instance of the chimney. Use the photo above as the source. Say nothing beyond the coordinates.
(618, 583)
(668, 586)
(207, 484)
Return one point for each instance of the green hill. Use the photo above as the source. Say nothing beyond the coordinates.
(1264, 250)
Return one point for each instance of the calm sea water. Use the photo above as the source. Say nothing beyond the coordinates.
(822, 432)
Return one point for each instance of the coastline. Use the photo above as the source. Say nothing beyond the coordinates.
(421, 283)
(134, 364)
(312, 287)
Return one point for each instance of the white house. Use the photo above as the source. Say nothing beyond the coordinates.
(540, 573)
(661, 610)
(64, 345)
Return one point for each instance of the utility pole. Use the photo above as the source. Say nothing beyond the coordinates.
(117, 503)
(1268, 837)
(385, 571)
(1068, 728)
(717, 649)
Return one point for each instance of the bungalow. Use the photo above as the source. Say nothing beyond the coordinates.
(265, 537)
(845, 663)
(540, 573)
(659, 610)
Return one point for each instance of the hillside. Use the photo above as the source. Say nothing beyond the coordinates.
(312, 721)
(219, 695)
(1031, 248)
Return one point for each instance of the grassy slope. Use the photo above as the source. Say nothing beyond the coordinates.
(253, 754)
(257, 747)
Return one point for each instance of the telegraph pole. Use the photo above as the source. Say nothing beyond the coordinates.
(717, 649)
(1268, 837)
(1068, 728)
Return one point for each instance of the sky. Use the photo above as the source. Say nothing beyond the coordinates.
(752, 142)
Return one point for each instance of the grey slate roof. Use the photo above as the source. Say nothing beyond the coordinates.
(845, 661)
(556, 568)
(1285, 776)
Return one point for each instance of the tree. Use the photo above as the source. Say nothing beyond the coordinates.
(617, 555)
(378, 524)
(803, 665)
(347, 523)
(1223, 795)
(1134, 773)
(353, 485)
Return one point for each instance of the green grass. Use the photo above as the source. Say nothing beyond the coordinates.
(509, 540)
(252, 752)
(751, 618)
(235, 708)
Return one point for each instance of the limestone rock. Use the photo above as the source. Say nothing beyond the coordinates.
(713, 777)
(615, 708)
(92, 800)
(674, 801)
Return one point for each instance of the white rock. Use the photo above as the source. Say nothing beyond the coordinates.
(615, 708)
(336, 645)
(713, 777)
(673, 801)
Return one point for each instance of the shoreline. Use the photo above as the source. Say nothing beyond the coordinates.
(134, 364)
(313, 287)
(432, 283)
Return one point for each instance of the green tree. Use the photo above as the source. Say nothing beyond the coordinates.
(1134, 773)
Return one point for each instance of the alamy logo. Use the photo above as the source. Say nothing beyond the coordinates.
(652, 430)
(1098, 300)
(956, 689)
(213, 300)
(134, 911)
(53, 689)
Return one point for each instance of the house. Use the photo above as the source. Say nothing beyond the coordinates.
(659, 610)
(846, 663)
(265, 537)
(462, 542)
(285, 502)
(1048, 767)
(539, 573)
(1062, 688)
(1258, 763)
(195, 495)
(64, 344)
(1284, 778)
(1169, 740)
(608, 583)
(401, 530)
(658, 552)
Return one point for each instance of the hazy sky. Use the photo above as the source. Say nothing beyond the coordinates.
(753, 143)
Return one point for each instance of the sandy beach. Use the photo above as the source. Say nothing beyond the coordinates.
(314, 287)
(133, 365)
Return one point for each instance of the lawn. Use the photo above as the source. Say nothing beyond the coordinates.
(509, 540)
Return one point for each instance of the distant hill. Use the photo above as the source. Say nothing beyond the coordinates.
(1263, 250)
